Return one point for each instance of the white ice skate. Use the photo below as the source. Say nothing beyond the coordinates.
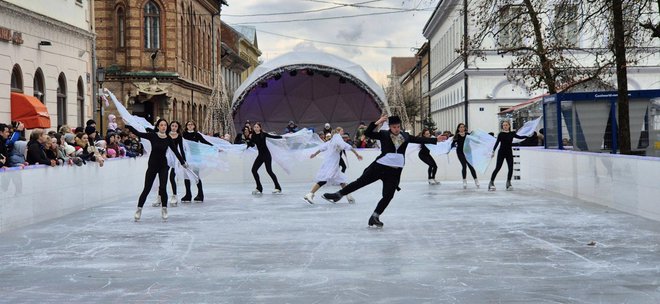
(138, 214)
(309, 197)
(350, 199)
(256, 192)
(163, 213)
(476, 183)
(157, 202)
(508, 186)
(277, 191)
(174, 201)
(465, 184)
(491, 186)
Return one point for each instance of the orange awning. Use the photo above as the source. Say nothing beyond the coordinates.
(30, 111)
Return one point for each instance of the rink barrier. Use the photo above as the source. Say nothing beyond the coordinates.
(623, 182)
(40, 193)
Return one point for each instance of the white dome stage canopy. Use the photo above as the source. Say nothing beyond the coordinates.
(310, 88)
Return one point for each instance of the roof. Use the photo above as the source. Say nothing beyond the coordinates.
(401, 65)
(524, 104)
(248, 32)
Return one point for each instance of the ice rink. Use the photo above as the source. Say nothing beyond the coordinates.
(440, 244)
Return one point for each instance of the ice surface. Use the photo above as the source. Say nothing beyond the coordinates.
(440, 244)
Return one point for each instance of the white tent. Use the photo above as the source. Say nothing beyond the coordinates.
(309, 88)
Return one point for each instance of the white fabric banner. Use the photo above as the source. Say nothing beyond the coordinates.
(478, 148)
(527, 129)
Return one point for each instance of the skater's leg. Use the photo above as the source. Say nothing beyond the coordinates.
(389, 188)
(500, 162)
(200, 191)
(342, 165)
(509, 163)
(162, 187)
(428, 160)
(370, 175)
(464, 163)
(186, 198)
(269, 169)
(255, 168)
(173, 180)
(317, 186)
(149, 178)
(472, 171)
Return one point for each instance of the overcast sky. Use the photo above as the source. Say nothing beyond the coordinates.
(398, 32)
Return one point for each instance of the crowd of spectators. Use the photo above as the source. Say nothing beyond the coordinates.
(66, 146)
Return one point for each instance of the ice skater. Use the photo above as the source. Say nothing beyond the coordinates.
(175, 134)
(331, 170)
(157, 164)
(458, 142)
(425, 155)
(191, 134)
(387, 166)
(258, 138)
(505, 138)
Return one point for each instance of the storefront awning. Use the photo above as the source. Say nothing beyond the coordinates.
(30, 111)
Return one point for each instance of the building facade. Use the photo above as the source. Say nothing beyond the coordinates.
(45, 52)
(415, 83)
(475, 90)
(160, 56)
(232, 63)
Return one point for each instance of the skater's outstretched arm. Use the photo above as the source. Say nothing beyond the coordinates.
(371, 129)
(172, 145)
(271, 136)
(146, 135)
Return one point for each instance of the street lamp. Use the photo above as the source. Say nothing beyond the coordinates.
(100, 78)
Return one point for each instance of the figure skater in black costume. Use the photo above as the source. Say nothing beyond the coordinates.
(505, 153)
(387, 166)
(157, 164)
(459, 140)
(425, 155)
(175, 134)
(258, 138)
(191, 134)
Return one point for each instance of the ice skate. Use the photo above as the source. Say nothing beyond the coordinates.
(332, 197)
(508, 186)
(476, 183)
(256, 192)
(491, 186)
(431, 182)
(374, 221)
(199, 199)
(157, 202)
(174, 201)
(138, 214)
(309, 197)
(277, 191)
(465, 184)
(163, 213)
(186, 198)
(350, 199)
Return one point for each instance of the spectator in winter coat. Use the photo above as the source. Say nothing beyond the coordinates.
(17, 156)
(35, 150)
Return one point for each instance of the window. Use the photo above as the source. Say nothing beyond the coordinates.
(81, 101)
(17, 79)
(61, 100)
(151, 26)
(565, 23)
(121, 28)
(511, 23)
(39, 89)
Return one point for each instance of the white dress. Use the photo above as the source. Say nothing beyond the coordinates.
(330, 171)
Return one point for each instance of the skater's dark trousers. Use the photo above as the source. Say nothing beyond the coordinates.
(390, 177)
(149, 178)
(173, 181)
(464, 163)
(266, 159)
(426, 157)
(502, 155)
(342, 164)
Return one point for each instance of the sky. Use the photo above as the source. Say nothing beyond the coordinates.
(394, 26)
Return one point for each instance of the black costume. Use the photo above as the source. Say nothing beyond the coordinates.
(259, 140)
(157, 164)
(376, 171)
(196, 137)
(505, 152)
(458, 142)
(425, 155)
(178, 142)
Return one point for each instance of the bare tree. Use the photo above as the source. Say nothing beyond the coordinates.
(649, 23)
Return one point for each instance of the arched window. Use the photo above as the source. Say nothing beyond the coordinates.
(81, 101)
(183, 41)
(121, 27)
(151, 26)
(39, 87)
(61, 100)
(174, 111)
(17, 79)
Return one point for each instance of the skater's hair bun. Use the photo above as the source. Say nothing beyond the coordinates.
(394, 120)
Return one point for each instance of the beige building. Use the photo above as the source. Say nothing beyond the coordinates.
(248, 48)
(45, 57)
(160, 55)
